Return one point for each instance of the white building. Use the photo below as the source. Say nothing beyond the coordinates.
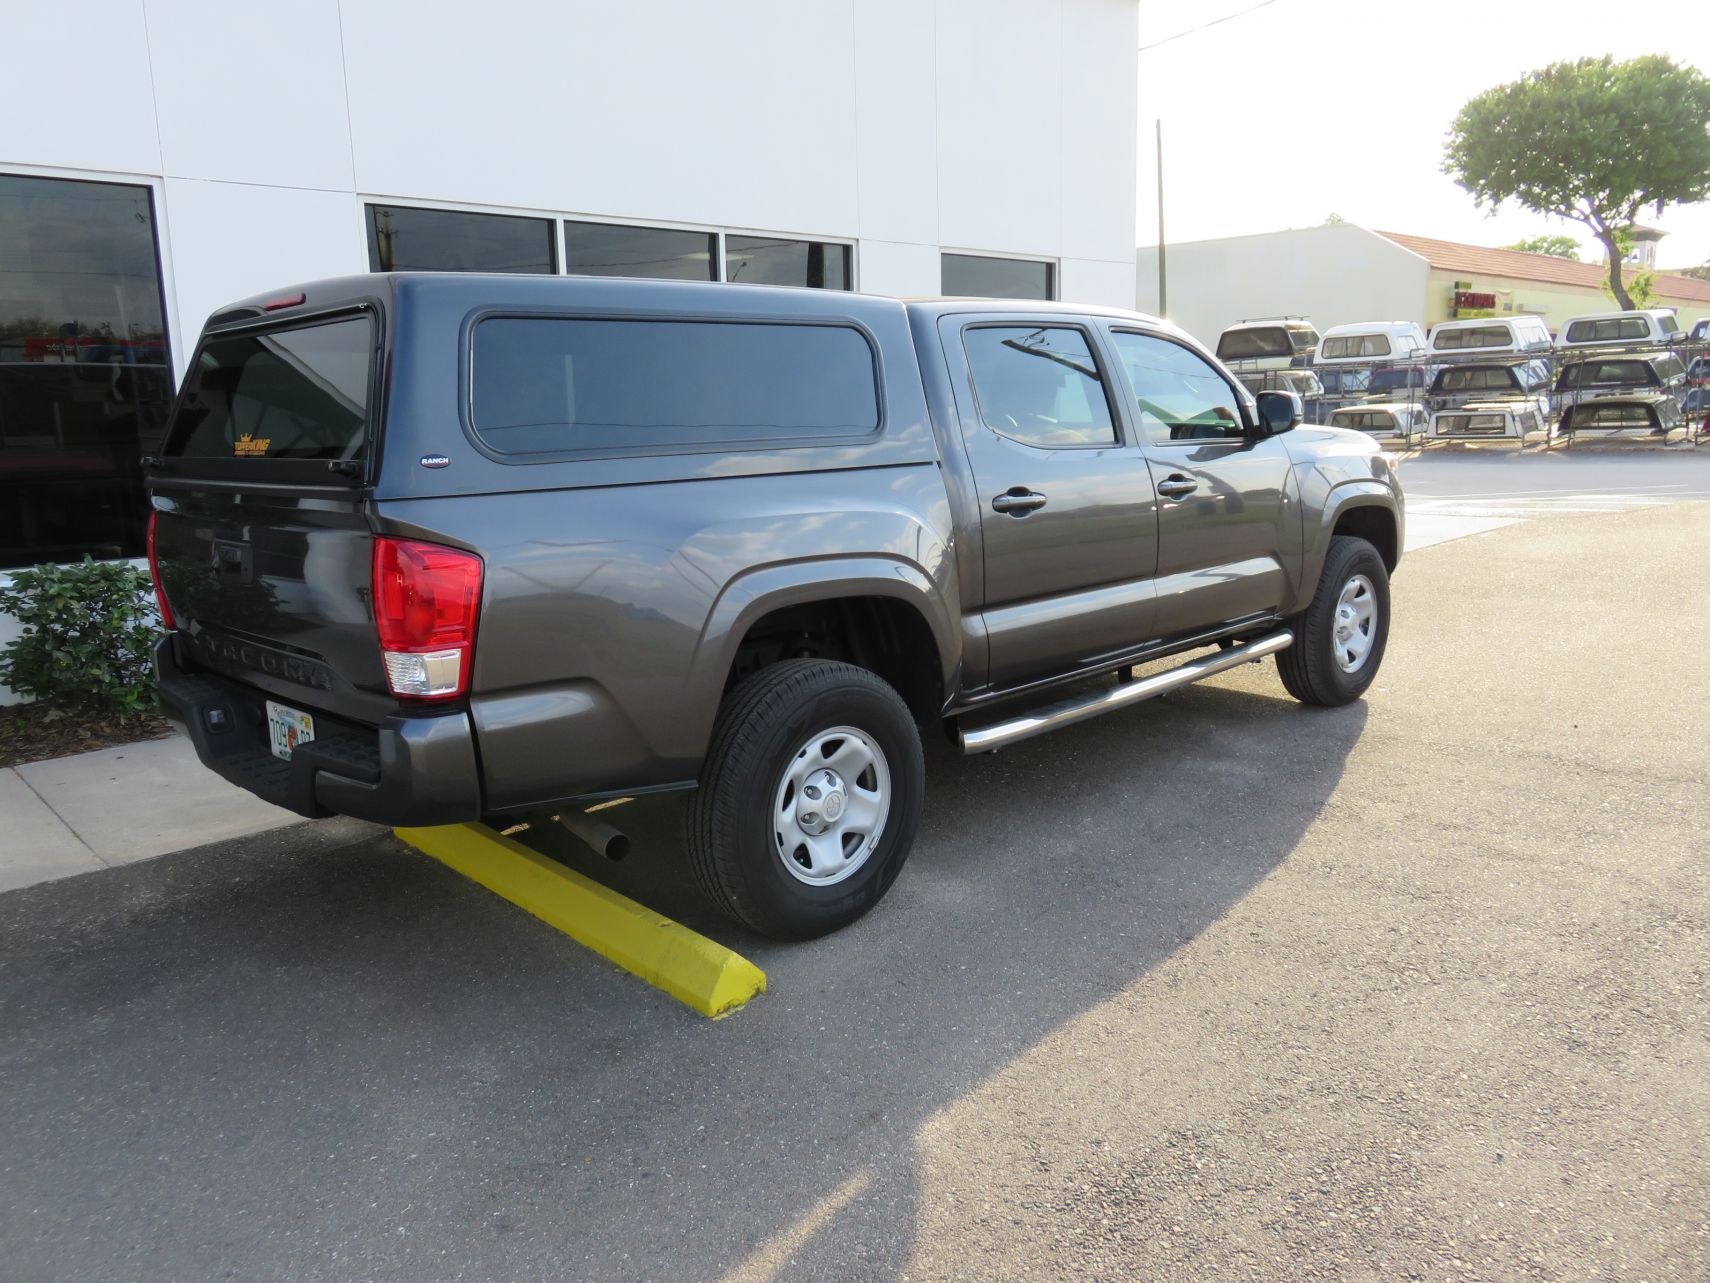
(168, 156)
(1340, 273)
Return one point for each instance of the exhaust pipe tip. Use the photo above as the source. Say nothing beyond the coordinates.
(597, 835)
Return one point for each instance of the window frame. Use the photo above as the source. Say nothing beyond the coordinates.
(466, 389)
(1052, 266)
(287, 471)
(1119, 435)
(1246, 405)
(155, 187)
(554, 239)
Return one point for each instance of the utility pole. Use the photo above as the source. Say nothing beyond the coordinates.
(1163, 305)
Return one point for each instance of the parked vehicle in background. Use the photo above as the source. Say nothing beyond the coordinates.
(431, 547)
(1489, 381)
(1652, 413)
(1507, 419)
(1701, 331)
(1303, 383)
(1597, 375)
(1651, 325)
(1371, 341)
(1285, 340)
(1405, 381)
(1698, 373)
(1492, 334)
(1383, 419)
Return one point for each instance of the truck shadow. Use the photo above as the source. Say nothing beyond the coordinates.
(358, 1047)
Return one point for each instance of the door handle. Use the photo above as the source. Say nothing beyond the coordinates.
(1018, 501)
(1176, 486)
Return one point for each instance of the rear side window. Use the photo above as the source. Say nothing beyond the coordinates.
(1347, 345)
(551, 385)
(1478, 336)
(297, 393)
(1039, 385)
(1609, 330)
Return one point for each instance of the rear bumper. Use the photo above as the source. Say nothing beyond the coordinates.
(409, 771)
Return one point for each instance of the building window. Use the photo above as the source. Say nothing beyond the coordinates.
(402, 238)
(979, 276)
(613, 249)
(762, 260)
(85, 378)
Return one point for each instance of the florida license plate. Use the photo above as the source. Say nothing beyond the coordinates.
(287, 728)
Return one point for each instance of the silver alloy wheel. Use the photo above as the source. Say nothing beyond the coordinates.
(830, 808)
(1354, 623)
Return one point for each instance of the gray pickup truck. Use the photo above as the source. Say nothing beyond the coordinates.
(433, 548)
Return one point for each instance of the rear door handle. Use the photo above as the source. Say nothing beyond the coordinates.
(1018, 501)
(1175, 486)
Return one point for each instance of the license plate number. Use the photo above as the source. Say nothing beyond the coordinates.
(287, 728)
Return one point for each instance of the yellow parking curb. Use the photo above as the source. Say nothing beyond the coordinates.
(691, 968)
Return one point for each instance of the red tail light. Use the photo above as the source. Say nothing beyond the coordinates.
(426, 599)
(154, 574)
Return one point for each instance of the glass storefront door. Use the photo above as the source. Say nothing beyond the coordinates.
(85, 375)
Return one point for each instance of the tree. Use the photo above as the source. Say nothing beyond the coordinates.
(1594, 141)
(1640, 286)
(1554, 246)
(1701, 272)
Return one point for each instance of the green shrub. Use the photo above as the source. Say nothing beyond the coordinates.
(89, 630)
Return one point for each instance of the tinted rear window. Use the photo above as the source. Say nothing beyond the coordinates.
(297, 393)
(548, 385)
(1478, 336)
(1352, 345)
(1613, 329)
(1235, 345)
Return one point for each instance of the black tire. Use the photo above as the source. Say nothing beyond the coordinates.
(1309, 668)
(732, 842)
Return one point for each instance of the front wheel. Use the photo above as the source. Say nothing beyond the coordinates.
(809, 798)
(1339, 639)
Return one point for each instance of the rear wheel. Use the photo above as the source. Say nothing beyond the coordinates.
(1339, 639)
(809, 798)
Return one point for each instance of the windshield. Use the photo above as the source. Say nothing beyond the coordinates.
(298, 393)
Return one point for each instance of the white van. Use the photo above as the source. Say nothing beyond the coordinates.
(1653, 325)
(1492, 334)
(1371, 341)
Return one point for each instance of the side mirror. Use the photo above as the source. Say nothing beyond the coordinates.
(1278, 412)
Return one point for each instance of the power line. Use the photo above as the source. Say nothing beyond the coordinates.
(1228, 17)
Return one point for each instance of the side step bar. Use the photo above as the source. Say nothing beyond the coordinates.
(1078, 708)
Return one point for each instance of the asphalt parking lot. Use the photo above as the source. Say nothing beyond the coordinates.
(1216, 988)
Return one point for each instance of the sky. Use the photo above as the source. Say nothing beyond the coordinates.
(1299, 109)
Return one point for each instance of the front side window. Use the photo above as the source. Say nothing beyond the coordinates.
(1039, 385)
(1177, 395)
(980, 276)
(762, 260)
(85, 381)
(402, 238)
(298, 393)
(555, 385)
(659, 253)
(1355, 345)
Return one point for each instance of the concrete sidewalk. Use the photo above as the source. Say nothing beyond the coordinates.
(117, 805)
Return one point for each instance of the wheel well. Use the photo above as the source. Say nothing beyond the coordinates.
(1373, 524)
(885, 636)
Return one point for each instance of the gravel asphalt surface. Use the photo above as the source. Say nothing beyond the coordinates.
(1216, 988)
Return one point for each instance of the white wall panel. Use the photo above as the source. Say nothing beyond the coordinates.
(251, 93)
(739, 113)
(902, 268)
(76, 81)
(1100, 281)
(1000, 125)
(896, 48)
(1097, 153)
(231, 240)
